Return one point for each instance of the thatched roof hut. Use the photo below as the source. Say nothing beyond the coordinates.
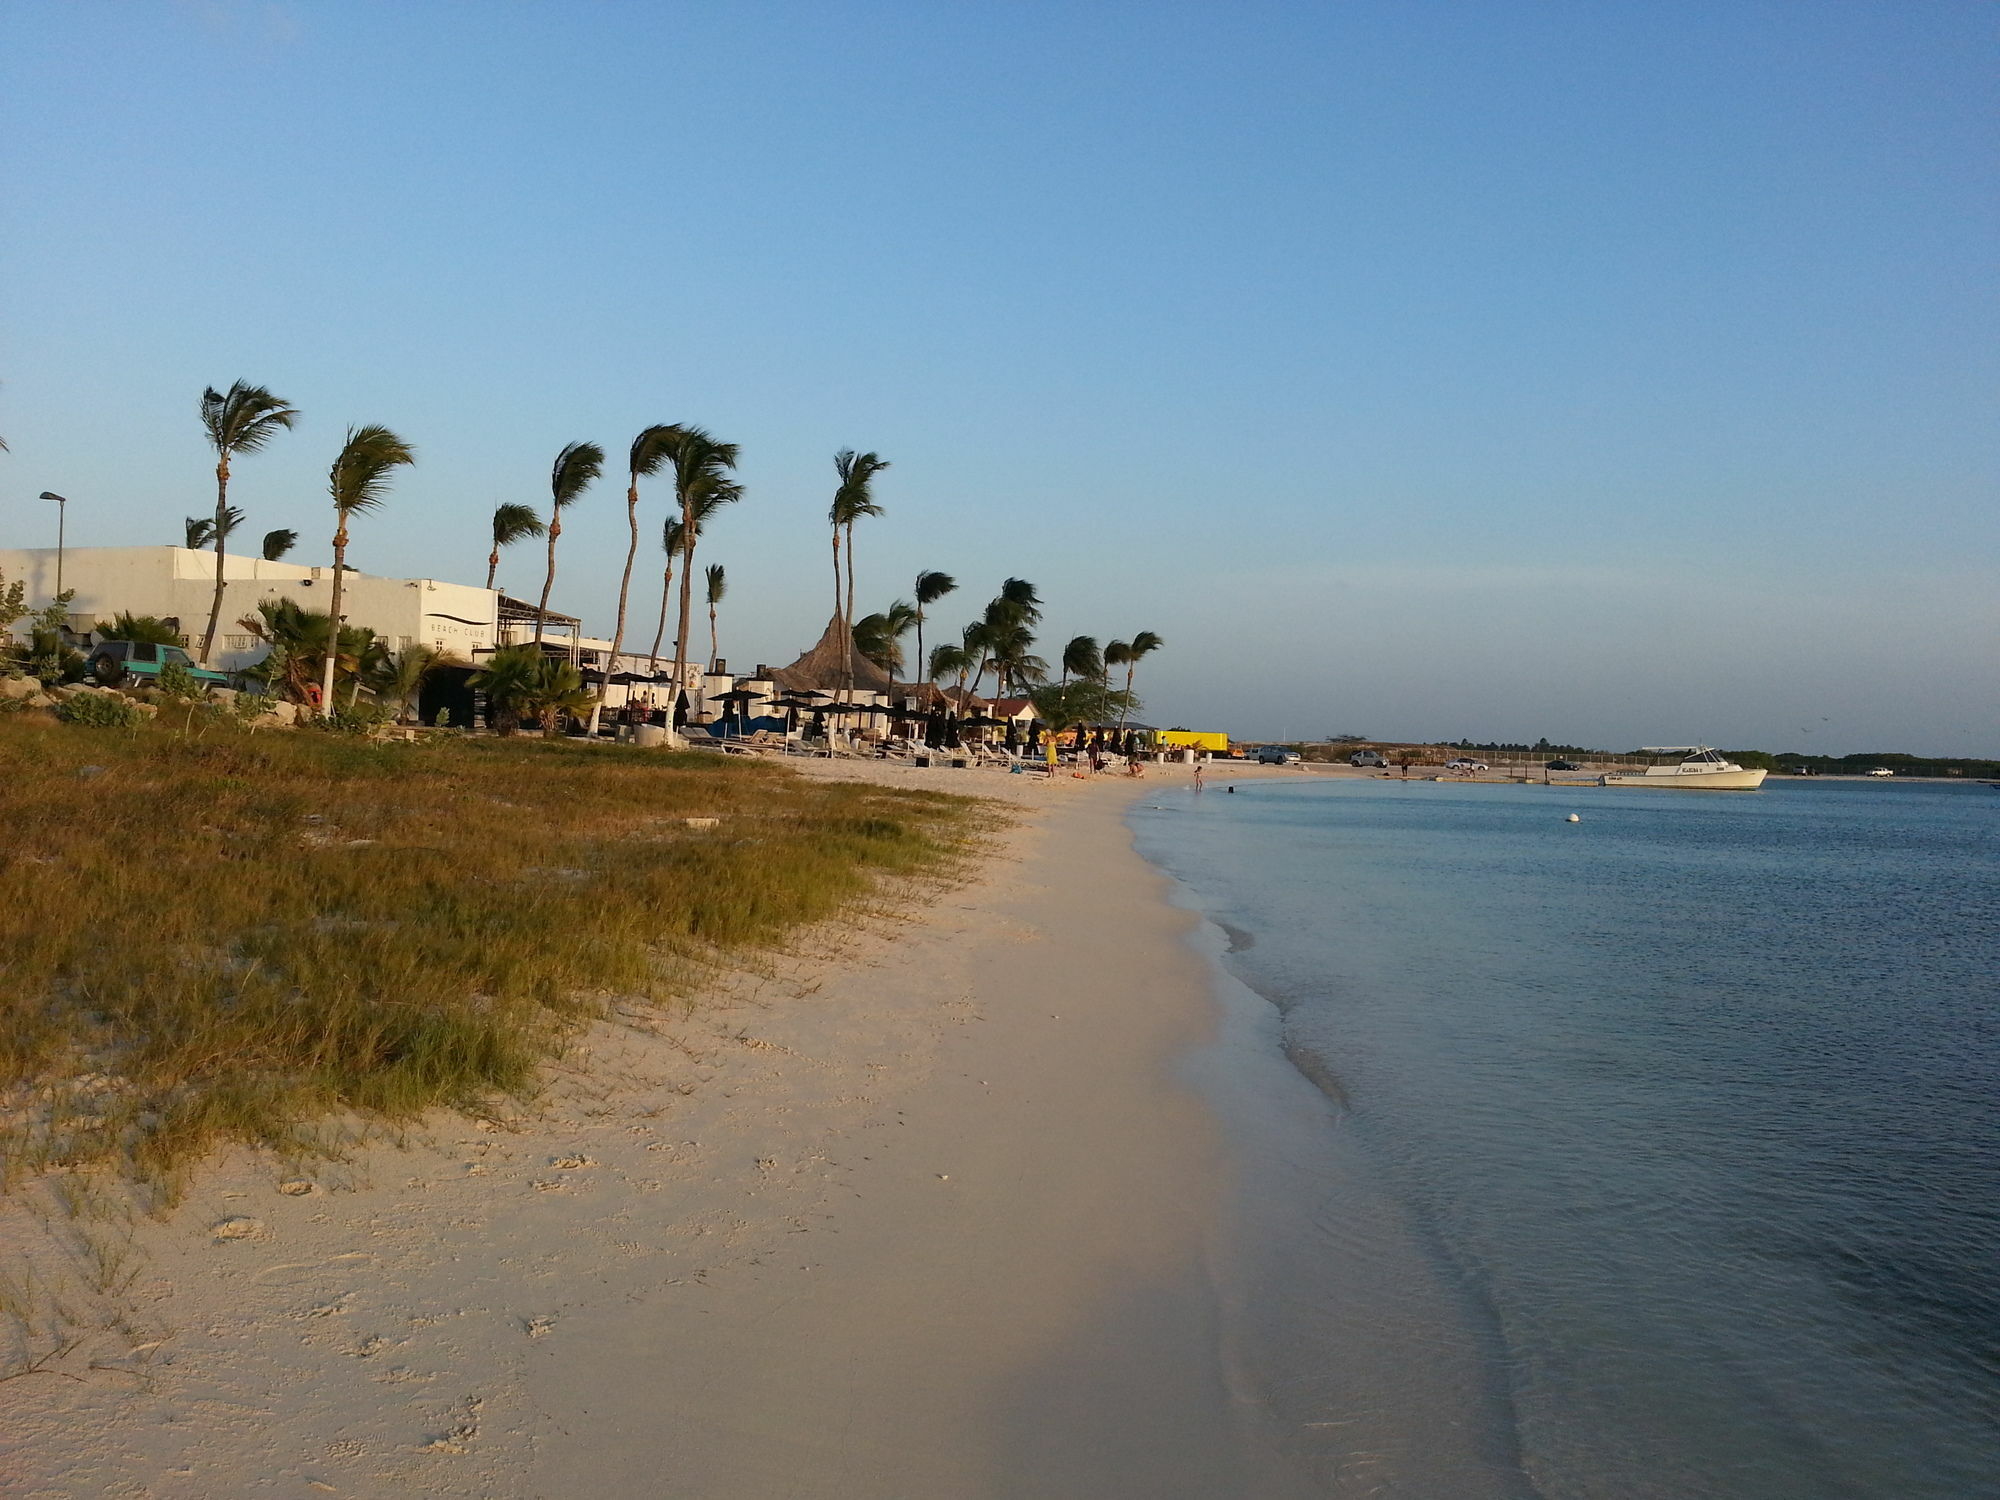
(821, 668)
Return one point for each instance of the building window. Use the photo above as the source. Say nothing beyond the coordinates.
(239, 642)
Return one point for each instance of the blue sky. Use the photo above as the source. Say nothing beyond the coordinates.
(1614, 373)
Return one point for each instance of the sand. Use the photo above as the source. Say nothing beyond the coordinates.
(920, 1210)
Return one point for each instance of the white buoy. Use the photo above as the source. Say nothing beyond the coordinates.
(1574, 818)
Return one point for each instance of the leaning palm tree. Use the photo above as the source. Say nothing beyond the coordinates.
(854, 499)
(1126, 654)
(718, 584)
(575, 467)
(650, 449)
(879, 637)
(931, 587)
(241, 420)
(947, 660)
(701, 486)
(278, 543)
(511, 523)
(359, 483)
(1081, 658)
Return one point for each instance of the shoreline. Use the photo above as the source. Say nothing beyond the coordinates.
(925, 1209)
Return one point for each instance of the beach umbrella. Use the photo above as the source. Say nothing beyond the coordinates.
(738, 695)
(626, 679)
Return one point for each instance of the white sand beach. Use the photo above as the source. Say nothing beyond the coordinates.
(920, 1211)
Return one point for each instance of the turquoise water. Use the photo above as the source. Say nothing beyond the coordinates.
(1678, 1128)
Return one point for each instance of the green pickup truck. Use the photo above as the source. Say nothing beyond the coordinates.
(112, 662)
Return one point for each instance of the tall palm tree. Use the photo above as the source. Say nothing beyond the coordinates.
(701, 486)
(649, 450)
(575, 468)
(241, 420)
(511, 523)
(1081, 658)
(359, 483)
(854, 499)
(931, 587)
(278, 543)
(718, 582)
(879, 637)
(1126, 654)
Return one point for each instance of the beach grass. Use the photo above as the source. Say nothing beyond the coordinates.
(212, 937)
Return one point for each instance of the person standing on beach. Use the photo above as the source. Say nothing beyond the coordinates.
(1197, 776)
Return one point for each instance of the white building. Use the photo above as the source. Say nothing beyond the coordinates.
(178, 585)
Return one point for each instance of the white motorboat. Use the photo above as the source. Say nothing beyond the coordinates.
(1702, 769)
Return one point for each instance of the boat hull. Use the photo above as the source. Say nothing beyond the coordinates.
(1736, 779)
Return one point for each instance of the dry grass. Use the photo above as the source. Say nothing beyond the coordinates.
(235, 937)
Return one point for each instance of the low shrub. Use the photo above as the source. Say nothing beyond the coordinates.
(100, 711)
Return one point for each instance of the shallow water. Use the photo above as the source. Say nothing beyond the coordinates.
(1656, 1155)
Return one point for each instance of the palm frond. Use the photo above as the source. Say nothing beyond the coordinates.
(933, 586)
(278, 543)
(949, 661)
(359, 478)
(513, 522)
(244, 418)
(1144, 643)
(855, 497)
(1082, 658)
(718, 583)
(576, 468)
(1117, 653)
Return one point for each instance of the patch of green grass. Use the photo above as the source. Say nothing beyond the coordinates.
(233, 937)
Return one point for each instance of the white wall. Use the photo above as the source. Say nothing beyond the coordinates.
(179, 584)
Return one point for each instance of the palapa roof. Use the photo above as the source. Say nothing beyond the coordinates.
(821, 668)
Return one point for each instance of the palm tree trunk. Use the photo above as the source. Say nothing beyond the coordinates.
(923, 672)
(839, 616)
(624, 592)
(714, 648)
(492, 566)
(333, 623)
(548, 583)
(687, 591)
(221, 515)
(847, 661)
(1130, 668)
(666, 597)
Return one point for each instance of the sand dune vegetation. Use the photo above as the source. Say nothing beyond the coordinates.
(215, 936)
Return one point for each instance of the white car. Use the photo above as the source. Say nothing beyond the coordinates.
(1881, 771)
(1464, 764)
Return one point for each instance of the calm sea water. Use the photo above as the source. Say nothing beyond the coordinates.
(1655, 1155)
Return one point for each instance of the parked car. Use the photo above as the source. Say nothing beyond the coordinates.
(113, 661)
(1277, 755)
(1368, 758)
(1465, 763)
(1563, 765)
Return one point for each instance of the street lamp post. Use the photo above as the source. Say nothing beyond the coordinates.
(62, 514)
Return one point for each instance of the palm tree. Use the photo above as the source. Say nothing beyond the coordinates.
(947, 660)
(299, 639)
(575, 467)
(398, 680)
(670, 542)
(718, 583)
(510, 524)
(702, 486)
(201, 529)
(1126, 654)
(1081, 658)
(241, 420)
(278, 543)
(508, 679)
(359, 483)
(931, 587)
(879, 637)
(649, 450)
(854, 499)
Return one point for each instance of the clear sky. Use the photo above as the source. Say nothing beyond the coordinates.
(1616, 372)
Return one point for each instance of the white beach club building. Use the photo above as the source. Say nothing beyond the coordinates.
(178, 585)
